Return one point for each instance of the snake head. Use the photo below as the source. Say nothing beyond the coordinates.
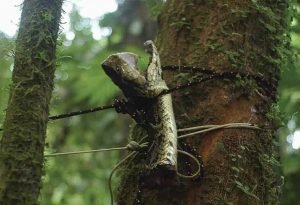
(122, 69)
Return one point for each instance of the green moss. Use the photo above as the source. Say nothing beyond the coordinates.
(275, 117)
(183, 23)
(244, 37)
(22, 144)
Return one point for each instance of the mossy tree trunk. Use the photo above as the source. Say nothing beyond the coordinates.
(23, 140)
(243, 36)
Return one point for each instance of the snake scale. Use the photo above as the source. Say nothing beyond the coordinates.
(146, 104)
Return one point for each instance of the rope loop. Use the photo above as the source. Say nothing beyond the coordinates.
(198, 164)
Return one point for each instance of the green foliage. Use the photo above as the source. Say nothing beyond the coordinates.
(155, 7)
(276, 117)
(289, 103)
(6, 59)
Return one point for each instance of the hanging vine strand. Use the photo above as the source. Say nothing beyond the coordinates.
(229, 125)
(215, 127)
(133, 146)
(132, 154)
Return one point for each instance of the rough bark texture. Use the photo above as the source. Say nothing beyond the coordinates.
(22, 143)
(240, 166)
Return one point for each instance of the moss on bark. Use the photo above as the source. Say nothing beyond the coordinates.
(23, 140)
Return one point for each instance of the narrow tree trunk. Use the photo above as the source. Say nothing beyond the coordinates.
(23, 140)
(240, 166)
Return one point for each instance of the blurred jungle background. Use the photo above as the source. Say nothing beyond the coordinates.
(87, 37)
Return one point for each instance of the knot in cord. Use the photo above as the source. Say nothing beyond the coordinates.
(135, 146)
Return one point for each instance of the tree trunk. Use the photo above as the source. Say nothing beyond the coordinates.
(240, 165)
(23, 140)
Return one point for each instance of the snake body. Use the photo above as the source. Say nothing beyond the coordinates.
(151, 110)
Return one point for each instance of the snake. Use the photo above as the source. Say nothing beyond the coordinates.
(146, 103)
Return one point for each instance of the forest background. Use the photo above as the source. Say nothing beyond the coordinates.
(88, 35)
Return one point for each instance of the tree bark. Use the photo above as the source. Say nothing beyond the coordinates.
(23, 140)
(240, 166)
